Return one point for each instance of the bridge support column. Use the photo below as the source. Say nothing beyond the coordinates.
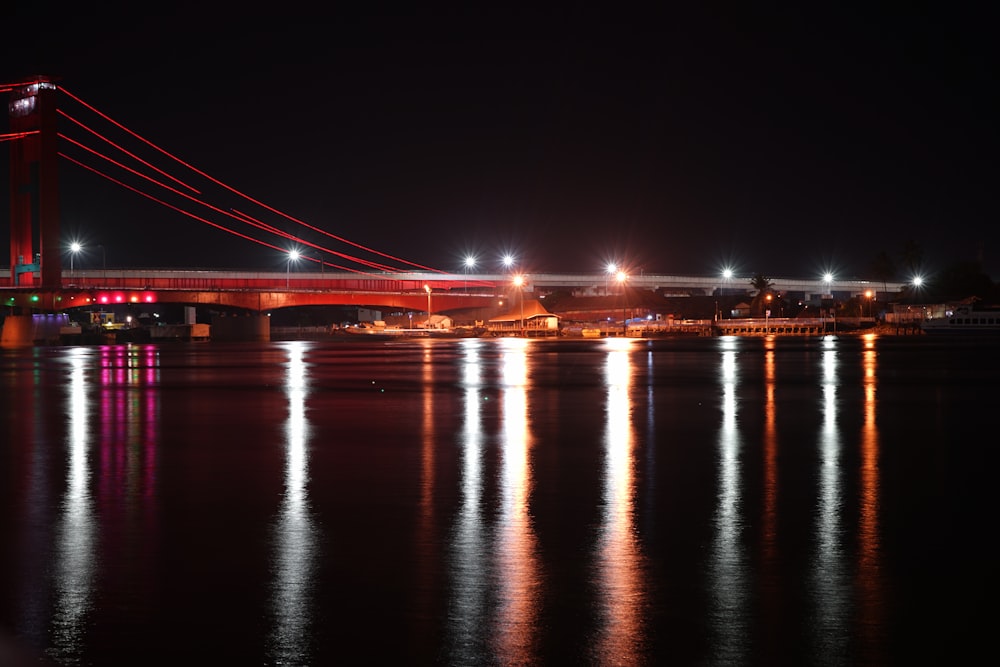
(253, 328)
(27, 330)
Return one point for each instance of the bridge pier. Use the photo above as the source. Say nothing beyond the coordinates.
(27, 330)
(254, 328)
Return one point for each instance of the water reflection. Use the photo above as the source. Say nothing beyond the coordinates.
(727, 561)
(518, 579)
(621, 595)
(468, 605)
(77, 531)
(830, 593)
(870, 593)
(295, 533)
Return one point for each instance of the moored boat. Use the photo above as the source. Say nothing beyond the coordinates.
(964, 321)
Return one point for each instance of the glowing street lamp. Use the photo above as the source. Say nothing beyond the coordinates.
(74, 248)
(427, 288)
(470, 263)
(519, 284)
(293, 256)
(767, 312)
(611, 268)
(621, 277)
(868, 296)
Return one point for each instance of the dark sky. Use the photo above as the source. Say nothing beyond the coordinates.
(675, 140)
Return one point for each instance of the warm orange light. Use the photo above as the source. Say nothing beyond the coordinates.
(518, 281)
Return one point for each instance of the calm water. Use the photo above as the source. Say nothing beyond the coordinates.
(726, 501)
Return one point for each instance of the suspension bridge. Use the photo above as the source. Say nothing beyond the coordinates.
(49, 126)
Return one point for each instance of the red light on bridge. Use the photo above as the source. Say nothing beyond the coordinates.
(144, 297)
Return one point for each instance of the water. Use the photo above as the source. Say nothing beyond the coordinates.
(725, 501)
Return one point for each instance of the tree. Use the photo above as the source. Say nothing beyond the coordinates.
(883, 268)
(763, 285)
(912, 258)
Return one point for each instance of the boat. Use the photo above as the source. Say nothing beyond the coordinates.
(964, 321)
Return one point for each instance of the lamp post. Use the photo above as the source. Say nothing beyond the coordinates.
(470, 263)
(74, 248)
(621, 277)
(427, 288)
(519, 283)
(767, 312)
(293, 256)
(611, 268)
(104, 263)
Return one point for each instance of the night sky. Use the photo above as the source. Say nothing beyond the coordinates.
(675, 141)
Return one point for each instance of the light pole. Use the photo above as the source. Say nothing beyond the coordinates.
(611, 268)
(74, 248)
(427, 288)
(293, 256)
(519, 283)
(767, 312)
(621, 277)
(470, 263)
(104, 263)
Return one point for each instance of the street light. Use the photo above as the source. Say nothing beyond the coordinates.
(610, 268)
(104, 263)
(621, 277)
(519, 283)
(293, 256)
(470, 263)
(767, 312)
(427, 288)
(74, 248)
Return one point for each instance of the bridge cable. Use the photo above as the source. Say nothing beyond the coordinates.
(237, 192)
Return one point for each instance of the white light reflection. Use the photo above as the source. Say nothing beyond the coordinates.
(518, 578)
(728, 563)
(830, 590)
(295, 533)
(620, 564)
(469, 548)
(74, 576)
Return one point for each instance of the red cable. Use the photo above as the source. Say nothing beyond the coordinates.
(192, 215)
(233, 190)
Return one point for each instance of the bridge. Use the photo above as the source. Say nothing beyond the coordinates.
(36, 281)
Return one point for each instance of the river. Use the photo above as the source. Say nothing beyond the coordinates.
(690, 501)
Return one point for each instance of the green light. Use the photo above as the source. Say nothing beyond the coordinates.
(34, 297)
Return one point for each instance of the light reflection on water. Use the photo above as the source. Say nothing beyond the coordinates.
(786, 515)
(469, 562)
(295, 533)
(620, 573)
(77, 532)
(518, 576)
(727, 564)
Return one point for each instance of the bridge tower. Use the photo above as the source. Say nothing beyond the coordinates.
(34, 184)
